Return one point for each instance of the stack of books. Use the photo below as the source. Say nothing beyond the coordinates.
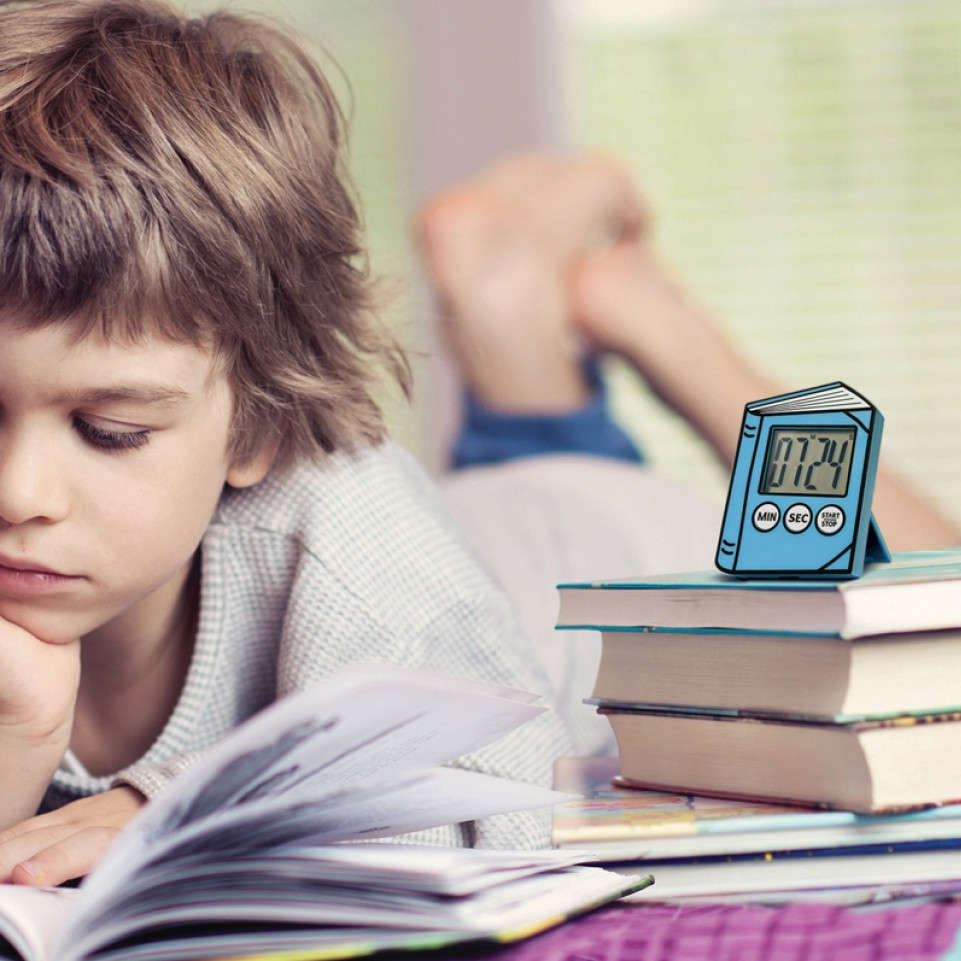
(832, 695)
(723, 849)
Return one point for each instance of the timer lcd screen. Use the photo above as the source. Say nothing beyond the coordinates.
(804, 460)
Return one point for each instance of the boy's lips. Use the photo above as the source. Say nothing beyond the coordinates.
(22, 574)
(26, 566)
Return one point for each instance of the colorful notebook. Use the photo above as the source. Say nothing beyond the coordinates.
(620, 824)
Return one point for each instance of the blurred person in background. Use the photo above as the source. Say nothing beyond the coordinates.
(541, 265)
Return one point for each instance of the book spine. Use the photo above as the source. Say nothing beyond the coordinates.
(727, 546)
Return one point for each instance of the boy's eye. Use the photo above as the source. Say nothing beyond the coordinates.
(110, 439)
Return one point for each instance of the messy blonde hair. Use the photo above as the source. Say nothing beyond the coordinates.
(160, 174)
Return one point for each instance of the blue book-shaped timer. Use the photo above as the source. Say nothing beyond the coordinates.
(799, 503)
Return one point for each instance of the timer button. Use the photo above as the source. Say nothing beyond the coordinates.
(766, 516)
(797, 518)
(830, 519)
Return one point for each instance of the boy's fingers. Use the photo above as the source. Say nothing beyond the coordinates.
(94, 821)
(26, 844)
(68, 858)
(40, 822)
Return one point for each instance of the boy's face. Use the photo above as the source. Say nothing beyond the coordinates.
(112, 459)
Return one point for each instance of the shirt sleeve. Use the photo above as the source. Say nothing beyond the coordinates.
(151, 779)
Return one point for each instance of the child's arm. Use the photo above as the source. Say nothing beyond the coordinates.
(709, 383)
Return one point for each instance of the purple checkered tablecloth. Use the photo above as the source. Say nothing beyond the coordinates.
(796, 932)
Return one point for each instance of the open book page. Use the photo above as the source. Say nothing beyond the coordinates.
(31, 918)
(329, 920)
(395, 866)
(434, 870)
(360, 724)
(360, 885)
(406, 802)
(499, 908)
(381, 672)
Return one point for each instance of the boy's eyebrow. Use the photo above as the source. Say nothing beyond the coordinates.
(132, 393)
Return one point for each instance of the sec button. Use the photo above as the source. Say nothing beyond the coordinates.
(797, 518)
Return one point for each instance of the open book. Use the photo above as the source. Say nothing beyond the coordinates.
(245, 854)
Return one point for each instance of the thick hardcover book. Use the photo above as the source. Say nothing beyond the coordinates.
(917, 591)
(824, 678)
(249, 853)
(891, 764)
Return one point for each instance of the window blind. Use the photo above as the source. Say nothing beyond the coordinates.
(803, 160)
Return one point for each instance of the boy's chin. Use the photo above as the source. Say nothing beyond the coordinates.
(46, 626)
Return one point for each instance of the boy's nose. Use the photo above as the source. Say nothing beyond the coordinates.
(31, 485)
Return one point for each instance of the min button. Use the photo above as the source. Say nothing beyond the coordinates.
(766, 516)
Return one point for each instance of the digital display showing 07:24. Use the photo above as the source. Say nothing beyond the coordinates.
(808, 461)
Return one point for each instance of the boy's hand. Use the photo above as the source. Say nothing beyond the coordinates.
(38, 691)
(67, 843)
(38, 683)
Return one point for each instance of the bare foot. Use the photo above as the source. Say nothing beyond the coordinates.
(627, 304)
(498, 250)
(571, 204)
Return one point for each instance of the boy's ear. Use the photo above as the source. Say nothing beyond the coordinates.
(254, 469)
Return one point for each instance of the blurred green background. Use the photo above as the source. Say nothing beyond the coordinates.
(804, 163)
(802, 159)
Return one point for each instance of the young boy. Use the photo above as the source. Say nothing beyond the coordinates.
(198, 513)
